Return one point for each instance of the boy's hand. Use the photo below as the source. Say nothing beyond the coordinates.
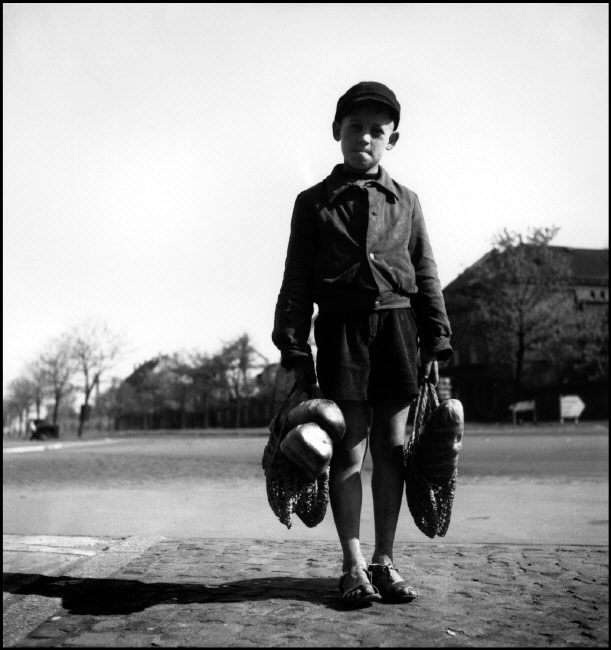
(303, 377)
(429, 368)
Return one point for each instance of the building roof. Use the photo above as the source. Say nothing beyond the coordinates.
(589, 265)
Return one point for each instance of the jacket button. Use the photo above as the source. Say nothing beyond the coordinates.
(372, 256)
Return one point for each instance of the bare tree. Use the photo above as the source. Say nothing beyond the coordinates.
(94, 349)
(175, 384)
(36, 375)
(529, 280)
(9, 413)
(512, 300)
(57, 369)
(20, 400)
(209, 382)
(141, 392)
(241, 360)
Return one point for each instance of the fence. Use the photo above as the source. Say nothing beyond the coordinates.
(252, 414)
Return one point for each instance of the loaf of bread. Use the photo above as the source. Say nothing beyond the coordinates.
(309, 447)
(441, 441)
(324, 412)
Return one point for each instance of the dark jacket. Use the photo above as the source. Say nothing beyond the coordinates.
(358, 244)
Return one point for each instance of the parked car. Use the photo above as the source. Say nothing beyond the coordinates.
(41, 430)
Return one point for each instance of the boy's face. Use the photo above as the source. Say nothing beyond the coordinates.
(365, 133)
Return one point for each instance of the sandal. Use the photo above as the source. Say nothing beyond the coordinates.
(387, 580)
(364, 590)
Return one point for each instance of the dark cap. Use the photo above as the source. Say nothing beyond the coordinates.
(369, 90)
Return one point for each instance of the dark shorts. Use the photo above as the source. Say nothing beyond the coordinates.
(367, 356)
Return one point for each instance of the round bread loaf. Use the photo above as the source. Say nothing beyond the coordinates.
(441, 442)
(309, 447)
(324, 412)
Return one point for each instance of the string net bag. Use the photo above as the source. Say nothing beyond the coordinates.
(430, 461)
(289, 491)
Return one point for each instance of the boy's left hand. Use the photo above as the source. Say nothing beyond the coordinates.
(429, 368)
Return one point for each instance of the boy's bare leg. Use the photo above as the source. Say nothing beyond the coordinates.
(345, 487)
(387, 439)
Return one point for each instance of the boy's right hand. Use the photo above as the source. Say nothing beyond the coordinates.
(306, 378)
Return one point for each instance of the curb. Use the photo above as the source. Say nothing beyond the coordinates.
(52, 446)
(23, 614)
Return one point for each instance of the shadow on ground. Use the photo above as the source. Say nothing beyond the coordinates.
(108, 596)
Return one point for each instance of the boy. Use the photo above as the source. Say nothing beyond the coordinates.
(359, 249)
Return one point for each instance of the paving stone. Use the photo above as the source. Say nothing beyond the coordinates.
(228, 593)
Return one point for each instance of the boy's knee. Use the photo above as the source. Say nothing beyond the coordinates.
(385, 450)
(347, 456)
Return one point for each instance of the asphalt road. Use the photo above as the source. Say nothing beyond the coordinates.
(548, 487)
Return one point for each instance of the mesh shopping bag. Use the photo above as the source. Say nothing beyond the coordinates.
(288, 490)
(431, 461)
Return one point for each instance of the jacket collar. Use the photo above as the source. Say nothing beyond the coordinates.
(336, 182)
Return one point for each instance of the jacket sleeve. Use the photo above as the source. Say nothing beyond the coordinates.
(295, 305)
(432, 321)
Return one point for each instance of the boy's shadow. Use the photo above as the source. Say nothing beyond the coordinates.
(108, 596)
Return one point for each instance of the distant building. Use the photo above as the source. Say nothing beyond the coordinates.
(591, 276)
(486, 395)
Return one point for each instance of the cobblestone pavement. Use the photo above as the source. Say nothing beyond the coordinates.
(158, 592)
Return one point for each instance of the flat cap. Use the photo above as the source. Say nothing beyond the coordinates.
(368, 90)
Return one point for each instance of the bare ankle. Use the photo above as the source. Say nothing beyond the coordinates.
(381, 558)
(349, 564)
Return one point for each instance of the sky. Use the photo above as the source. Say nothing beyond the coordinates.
(153, 152)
